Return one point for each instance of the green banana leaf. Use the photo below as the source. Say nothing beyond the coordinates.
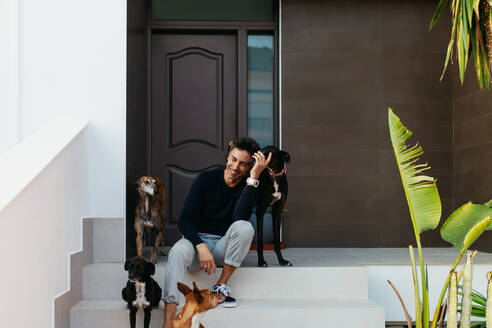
(466, 224)
(437, 14)
(421, 190)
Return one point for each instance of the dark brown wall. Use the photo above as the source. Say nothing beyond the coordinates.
(343, 63)
(472, 156)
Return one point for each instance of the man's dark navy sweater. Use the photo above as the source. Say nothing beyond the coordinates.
(211, 206)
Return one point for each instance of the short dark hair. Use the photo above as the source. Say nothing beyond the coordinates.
(245, 143)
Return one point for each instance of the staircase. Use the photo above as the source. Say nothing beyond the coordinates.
(267, 297)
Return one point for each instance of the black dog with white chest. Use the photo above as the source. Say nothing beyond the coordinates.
(141, 291)
(273, 189)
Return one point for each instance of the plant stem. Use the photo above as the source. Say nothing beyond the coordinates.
(466, 302)
(488, 314)
(440, 324)
(407, 316)
(425, 295)
(418, 308)
(444, 288)
(453, 302)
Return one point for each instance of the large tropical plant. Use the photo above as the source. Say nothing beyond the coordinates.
(423, 202)
(471, 29)
(461, 229)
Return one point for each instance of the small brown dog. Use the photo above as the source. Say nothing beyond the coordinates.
(198, 301)
(150, 212)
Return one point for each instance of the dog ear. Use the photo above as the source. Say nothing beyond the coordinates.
(183, 288)
(126, 265)
(159, 185)
(198, 297)
(196, 292)
(285, 156)
(151, 268)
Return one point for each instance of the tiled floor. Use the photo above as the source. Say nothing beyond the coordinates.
(322, 257)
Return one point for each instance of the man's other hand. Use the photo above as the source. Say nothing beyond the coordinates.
(260, 164)
(207, 263)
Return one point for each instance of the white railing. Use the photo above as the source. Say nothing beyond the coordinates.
(43, 197)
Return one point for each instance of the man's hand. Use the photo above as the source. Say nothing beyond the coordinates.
(260, 164)
(207, 263)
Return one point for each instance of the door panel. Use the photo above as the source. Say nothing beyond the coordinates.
(194, 111)
(206, 91)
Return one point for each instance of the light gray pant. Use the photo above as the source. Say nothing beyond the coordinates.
(229, 249)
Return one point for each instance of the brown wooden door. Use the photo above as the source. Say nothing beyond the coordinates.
(194, 111)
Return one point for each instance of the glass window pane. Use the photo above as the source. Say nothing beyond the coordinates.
(224, 10)
(260, 89)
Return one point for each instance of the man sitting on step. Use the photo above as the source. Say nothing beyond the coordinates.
(214, 223)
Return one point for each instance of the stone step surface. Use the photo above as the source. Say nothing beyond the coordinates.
(104, 281)
(108, 238)
(258, 313)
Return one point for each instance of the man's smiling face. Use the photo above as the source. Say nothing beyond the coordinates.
(237, 164)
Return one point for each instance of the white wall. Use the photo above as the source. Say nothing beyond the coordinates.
(72, 61)
(9, 74)
(40, 227)
(401, 276)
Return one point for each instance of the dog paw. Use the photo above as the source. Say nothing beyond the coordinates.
(285, 263)
(262, 264)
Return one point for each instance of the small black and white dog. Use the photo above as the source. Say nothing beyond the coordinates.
(273, 192)
(141, 291)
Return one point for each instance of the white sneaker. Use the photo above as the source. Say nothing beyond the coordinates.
(229, 302)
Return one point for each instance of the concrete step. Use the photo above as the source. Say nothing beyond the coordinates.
(108, 238)
(249, 313)
(104, 281)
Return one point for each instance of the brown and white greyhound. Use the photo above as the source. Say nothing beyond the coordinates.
(149, 214)
(198, 301)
